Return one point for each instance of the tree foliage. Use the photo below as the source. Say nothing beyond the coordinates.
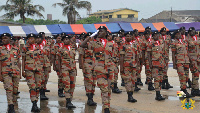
(89, 20)
(70, 8)
(21, 8)
(37, 21)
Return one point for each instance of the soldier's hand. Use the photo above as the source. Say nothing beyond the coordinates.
(49, 69)
(174, 66)
(83, 69)
(23, 74)
(1, 78)
(112, 85)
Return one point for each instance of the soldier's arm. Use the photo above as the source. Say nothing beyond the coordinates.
(121, 63)
(59, 64)
(174, 60)
(23, 66)
(84, 43)
(1, 78)
(149, 58)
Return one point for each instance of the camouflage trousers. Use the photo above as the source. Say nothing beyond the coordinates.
(116, 71)
(194, 68)
(182, 69)
(45, 78)
(90, 80)
(129, 78)
(148, 72)
(157, 74)
(139, 69)
(34, 79)
(104, 83)
(69, 79)
(11, 84)
(60, 82)
(165, 77)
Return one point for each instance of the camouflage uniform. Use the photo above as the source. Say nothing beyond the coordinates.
(33, 69)
(194, 56)
(88, 66)
(146, 62)
(10, 71)
(102, 69)
(129, 50)
(181, 60)
(54, 50)
(167, 42)
(138, 42)
(156, 49)
(45, 64)
(68, 69)
(116, 56)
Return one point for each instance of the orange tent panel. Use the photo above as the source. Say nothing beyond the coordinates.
(159, 25)
(78, 28)
(138, 26)
(98, 25)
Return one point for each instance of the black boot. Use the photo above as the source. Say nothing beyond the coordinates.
(116, 89)
(189, 84)
(195, 92)
(167, 84)
(90, 101)
(34, 107)
(106, 110)
(158, 96)
(42, 95)
(122, 84)
(136, 87)
(150, 87)
(11, 108)
(130, 97)
(69, 104)
(146, 81)
(187, 94)
(163, 84)
(60, 93)
(139, 82)
(46, 90)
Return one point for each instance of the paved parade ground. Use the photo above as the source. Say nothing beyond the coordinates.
(146, 99)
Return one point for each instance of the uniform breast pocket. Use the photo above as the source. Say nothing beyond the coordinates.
(29, 54)
(155, 53)
(5, 56)
(179, 49)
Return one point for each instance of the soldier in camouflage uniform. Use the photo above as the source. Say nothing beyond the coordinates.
(101, 53)
(9, 70)
(54, 61)
(122, 40)
(87, 61)
(32, 69)
(166, 39)
(155, 53)
(140, 63)
(128, 64)
(136, 43)
(194, 56)
(180, 59)
(146, 40)
(45, 64)
(116, 56)
(67, 69)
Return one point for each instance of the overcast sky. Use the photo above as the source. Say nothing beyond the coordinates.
(146, 8)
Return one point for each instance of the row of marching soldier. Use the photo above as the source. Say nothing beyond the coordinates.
(101, 55)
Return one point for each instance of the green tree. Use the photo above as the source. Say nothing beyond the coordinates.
(70, 8)
(14, 8)
(89, 20)
(37, 21)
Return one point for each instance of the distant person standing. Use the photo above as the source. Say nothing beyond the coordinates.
(32, 70)
(9, 70)
(180, 59)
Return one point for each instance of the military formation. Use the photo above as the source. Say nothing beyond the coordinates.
(102, 57)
